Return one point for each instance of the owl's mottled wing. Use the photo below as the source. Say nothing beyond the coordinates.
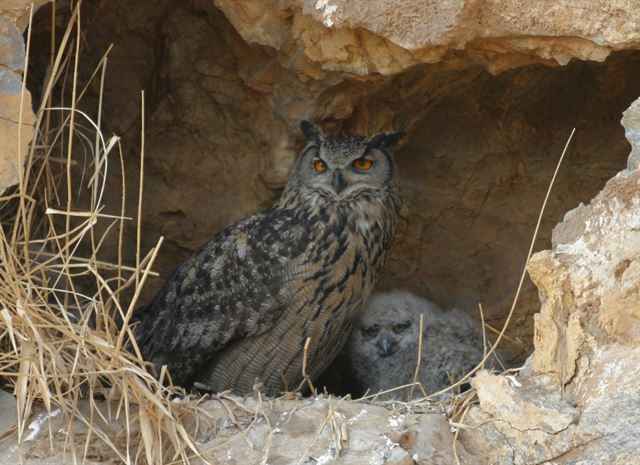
(230, 288)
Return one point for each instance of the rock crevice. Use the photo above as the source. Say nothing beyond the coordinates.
(587, 343)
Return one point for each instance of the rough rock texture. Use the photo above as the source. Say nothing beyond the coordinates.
(578, 399)
(225, 90)
(241, 431)
(631, 123)
(325, 431)
(8, 414)
(386, 37)
(14, 18)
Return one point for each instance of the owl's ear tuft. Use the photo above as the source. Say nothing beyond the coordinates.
(311, 131)
(385, 139)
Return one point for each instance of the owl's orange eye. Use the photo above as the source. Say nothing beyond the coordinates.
(319, 166)
(362, 164)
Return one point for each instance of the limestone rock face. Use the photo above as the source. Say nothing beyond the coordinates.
(577, 399)
(238, 431)
(631, 123)
(524, 408)
(371, 37)
(325, 431)
(14, 104)
(590, 281)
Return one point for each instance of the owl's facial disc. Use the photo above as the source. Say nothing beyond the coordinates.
(341, 166)
(341, 173)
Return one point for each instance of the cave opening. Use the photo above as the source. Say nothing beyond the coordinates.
(221, 135)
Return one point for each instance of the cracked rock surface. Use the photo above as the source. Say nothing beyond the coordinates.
(241, 431)
(578, 398)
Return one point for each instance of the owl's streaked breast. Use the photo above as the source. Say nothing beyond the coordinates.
(346, 248)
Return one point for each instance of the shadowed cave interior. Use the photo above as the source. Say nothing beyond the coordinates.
(480, 151)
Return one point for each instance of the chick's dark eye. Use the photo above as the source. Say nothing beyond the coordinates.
(319, 166)
(400, 327)
(363, 164)
(371, 332)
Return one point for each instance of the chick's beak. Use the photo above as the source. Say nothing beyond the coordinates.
(387, 347)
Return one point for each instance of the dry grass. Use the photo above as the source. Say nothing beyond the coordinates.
(60, 304)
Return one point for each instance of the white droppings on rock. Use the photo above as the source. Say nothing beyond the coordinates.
(327, 457)
(37, 423)
(396, 420)
(360, 414)
(390, 444)
(328, 11)
(514, 381)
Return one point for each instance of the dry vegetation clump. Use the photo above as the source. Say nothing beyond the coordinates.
(64, 329)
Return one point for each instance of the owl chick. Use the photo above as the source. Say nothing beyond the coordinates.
(383, 349)
(238, 312)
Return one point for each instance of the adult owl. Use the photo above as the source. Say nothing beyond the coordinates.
(382, 351)
(238, 312)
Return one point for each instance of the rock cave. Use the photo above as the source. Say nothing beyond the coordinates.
(488, 93)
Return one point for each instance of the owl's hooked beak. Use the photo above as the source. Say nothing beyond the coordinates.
(337, 182)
